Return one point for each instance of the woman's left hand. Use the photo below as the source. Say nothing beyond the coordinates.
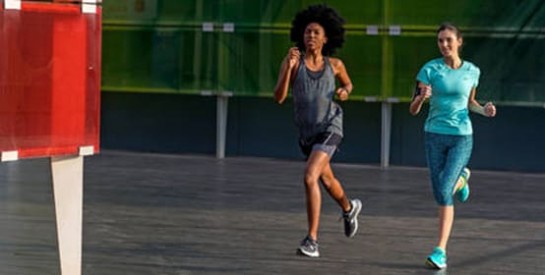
(342, 93)
(489, 109)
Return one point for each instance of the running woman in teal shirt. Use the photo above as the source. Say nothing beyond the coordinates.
(450, 85)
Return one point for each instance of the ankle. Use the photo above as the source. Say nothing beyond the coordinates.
(350, 207)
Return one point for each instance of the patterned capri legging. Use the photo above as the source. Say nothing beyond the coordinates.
(447, 155)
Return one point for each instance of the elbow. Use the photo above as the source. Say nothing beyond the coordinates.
(413, 111)
(279, 99)
(280, 95)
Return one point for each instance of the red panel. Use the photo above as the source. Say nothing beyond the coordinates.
(49, 79)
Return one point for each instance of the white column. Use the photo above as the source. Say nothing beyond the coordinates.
(67, 175)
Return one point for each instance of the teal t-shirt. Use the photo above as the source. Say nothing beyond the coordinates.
(449, 96)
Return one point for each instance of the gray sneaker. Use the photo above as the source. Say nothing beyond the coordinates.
(308, 247)
(351, 218)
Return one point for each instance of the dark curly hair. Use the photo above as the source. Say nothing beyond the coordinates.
(328, 18)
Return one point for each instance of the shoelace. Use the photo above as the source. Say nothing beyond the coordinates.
(345, 216)
(309, 242)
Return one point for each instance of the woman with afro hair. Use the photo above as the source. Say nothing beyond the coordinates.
(311, 73)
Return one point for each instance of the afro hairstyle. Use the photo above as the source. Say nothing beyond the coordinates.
(328, 18)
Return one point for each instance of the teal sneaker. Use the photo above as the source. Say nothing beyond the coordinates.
(437, 259)
(462, 194)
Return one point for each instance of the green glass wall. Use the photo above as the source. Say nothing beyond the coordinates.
(191, 46)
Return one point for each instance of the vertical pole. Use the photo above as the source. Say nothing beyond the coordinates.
(221, 84)
(221, 124)
(386, 132)
(67, 175)
(387, 78)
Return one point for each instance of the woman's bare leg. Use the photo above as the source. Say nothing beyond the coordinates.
(446, 219)
(334, 187)
(315, 166)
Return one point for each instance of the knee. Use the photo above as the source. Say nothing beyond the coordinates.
(311, 179)
(443, 197)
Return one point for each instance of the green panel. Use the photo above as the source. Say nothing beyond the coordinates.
(512, 70)
(360, 12)
(362, 57)
(281, 13)
(160, 46)
(187, 12)
(410, 54)
(124, 64)
(250, 61)
(163, 61)
(259, 12)
(466, 13)
(354, 12)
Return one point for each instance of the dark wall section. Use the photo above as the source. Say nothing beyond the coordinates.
(362, 132)
(261, 127)
(407, 141)
(162, 123)
(514, 140)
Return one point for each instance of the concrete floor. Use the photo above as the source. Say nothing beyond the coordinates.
(180, 214)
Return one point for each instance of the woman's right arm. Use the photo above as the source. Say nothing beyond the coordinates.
(422, 93)
(284, 76)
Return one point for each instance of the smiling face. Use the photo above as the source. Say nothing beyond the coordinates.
(449, 43)
(314, 37)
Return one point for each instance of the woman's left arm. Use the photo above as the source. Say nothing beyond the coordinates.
(488, 110)
(342, 75)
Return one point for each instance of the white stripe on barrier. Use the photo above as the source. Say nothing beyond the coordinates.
(12, 4)
(86, 150)
(89, 6)
(10, 155)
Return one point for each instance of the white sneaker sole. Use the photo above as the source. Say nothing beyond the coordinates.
(308, 254)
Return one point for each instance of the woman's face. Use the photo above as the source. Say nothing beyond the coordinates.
(314, 37)
(449, 43)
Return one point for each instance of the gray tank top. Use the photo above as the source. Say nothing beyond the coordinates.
(315, 110)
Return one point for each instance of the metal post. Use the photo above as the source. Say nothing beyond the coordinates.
(386, 134)
(221, 123)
